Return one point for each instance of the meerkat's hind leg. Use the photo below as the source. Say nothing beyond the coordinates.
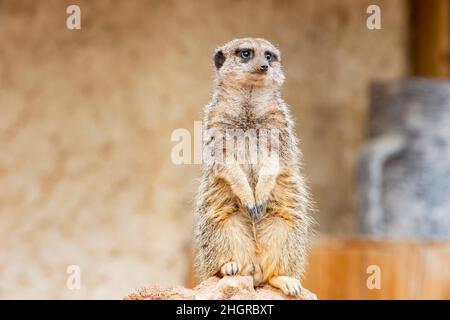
(290, 286)
(230, 269)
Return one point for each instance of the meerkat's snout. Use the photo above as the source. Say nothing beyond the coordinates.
(261, 63)
(261, 66)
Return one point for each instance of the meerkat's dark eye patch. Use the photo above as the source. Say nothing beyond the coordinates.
(245, 54)
(270, 56)
(219, 59)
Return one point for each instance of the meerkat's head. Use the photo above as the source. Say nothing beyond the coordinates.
(249, 62)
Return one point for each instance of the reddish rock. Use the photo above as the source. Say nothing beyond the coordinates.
(227, 288)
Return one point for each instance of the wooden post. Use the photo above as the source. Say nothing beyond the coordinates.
(431, 38)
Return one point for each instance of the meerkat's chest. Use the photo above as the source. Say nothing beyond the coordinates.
(256, 126)
(249, 118)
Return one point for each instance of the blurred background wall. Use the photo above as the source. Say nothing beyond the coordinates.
(86, 116)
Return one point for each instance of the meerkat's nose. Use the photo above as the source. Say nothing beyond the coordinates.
(264, 67)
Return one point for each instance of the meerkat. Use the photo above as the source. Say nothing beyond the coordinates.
(252, 218)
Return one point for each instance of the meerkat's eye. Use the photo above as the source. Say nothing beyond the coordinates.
(269, 56)
(245, 53)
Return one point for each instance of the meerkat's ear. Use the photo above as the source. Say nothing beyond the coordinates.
(219, 59)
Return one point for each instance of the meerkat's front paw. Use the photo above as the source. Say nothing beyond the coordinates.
(290, 286)
(261, 199)
(230, 269)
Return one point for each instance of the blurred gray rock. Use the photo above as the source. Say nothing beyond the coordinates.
(404, 169)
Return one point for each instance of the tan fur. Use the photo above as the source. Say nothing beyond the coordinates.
(228, 239)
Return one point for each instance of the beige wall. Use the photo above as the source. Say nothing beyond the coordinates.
(86, 118)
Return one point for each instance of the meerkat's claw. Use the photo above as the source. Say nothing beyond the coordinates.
(230, 269)
(261, 208)
(252, 211)
(290, 286)
(257, 211)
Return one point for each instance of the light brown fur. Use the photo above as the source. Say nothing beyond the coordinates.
(229, 237)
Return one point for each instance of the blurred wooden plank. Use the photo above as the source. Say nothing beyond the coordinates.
(430, 38)
(398, 264)
(334, 269)
(436, 272)
(340, 265)
(340, 275)
(409, 270)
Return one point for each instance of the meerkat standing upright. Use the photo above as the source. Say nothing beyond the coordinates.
(252, 218)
